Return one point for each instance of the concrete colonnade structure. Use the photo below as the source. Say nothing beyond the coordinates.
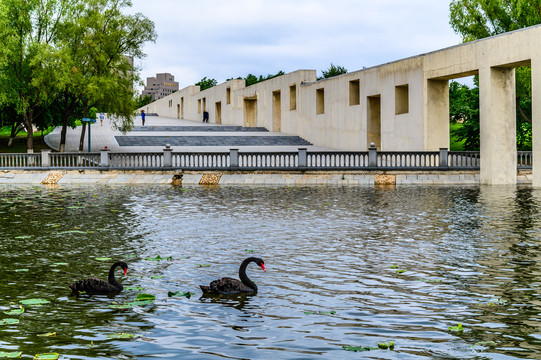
(400, 106)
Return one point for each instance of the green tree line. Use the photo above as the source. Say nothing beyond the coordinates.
(61, 58)
(252, 79)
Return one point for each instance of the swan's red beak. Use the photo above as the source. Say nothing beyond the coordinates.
(125, 271)
(263, 267)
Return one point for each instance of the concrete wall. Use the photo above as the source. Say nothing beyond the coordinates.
(400, 106)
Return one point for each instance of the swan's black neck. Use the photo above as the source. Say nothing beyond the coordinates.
(111, 277)
(242, 273)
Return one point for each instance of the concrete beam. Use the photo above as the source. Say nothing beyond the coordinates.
(498, 126)
(536, 121)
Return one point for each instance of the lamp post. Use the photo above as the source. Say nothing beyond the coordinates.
(89, 121)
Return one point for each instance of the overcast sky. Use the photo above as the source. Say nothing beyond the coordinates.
(227, 39)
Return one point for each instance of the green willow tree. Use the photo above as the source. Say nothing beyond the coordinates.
(477, 19)
(62, 57)
(34, 68)
(103, 41)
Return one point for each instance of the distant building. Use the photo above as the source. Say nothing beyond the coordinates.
(160, 86)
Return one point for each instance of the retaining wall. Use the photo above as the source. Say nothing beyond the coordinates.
(87, 177)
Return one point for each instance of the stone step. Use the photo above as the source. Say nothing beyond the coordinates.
(256, 140)
(209, 128)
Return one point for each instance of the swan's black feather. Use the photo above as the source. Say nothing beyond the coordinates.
(227, 285)
(99, 286)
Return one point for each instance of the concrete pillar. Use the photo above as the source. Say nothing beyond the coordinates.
(167, 156)
(104, 157)
(536, 121)
(303, 158)
(444, 155)
(498, 126)
(45, 162)
(234, 158)
(437, 120)
(372, 155)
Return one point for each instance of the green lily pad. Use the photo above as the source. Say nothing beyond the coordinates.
(401, 271)
(9, 321)
(34, 302)
(386, 345)
(359, 348)
(393, 267)
(121, 306)
(104, 259)
(144, 297)
(49, 334)
(328, 313)
(456, 329)
(157, 277)
(180, 293)
(120, 336)
(248, 250)
(18, 311)
(202, 265)
(11, 355)
(49, 356)
(131, 304)
(141, 302)
(159, 258)
(136, 288)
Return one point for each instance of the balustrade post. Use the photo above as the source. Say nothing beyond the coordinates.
(104, 157)
(167, 156)
(372, 155)
(303, 158)
(444, 156)
(234, 158)
(45, 160)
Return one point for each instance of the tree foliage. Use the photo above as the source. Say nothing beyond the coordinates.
(252, 79)
(477, 19)
(333, 71)
(205, 83)
(464, 109)
(58, 58)
(143, 101)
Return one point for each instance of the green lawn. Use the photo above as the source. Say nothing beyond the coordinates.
(19, 143)
(454, 144)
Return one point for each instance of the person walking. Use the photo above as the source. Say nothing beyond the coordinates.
(143, 117)
(205, 116)
(101, 118)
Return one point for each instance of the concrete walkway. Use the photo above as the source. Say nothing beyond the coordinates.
(182, 135)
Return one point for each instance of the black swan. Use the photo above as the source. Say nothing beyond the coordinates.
(99, 286)
(233, 286)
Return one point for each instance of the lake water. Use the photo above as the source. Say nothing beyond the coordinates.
(345, 267)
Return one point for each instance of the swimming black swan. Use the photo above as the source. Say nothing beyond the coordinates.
(233, 286)
(99, 286)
